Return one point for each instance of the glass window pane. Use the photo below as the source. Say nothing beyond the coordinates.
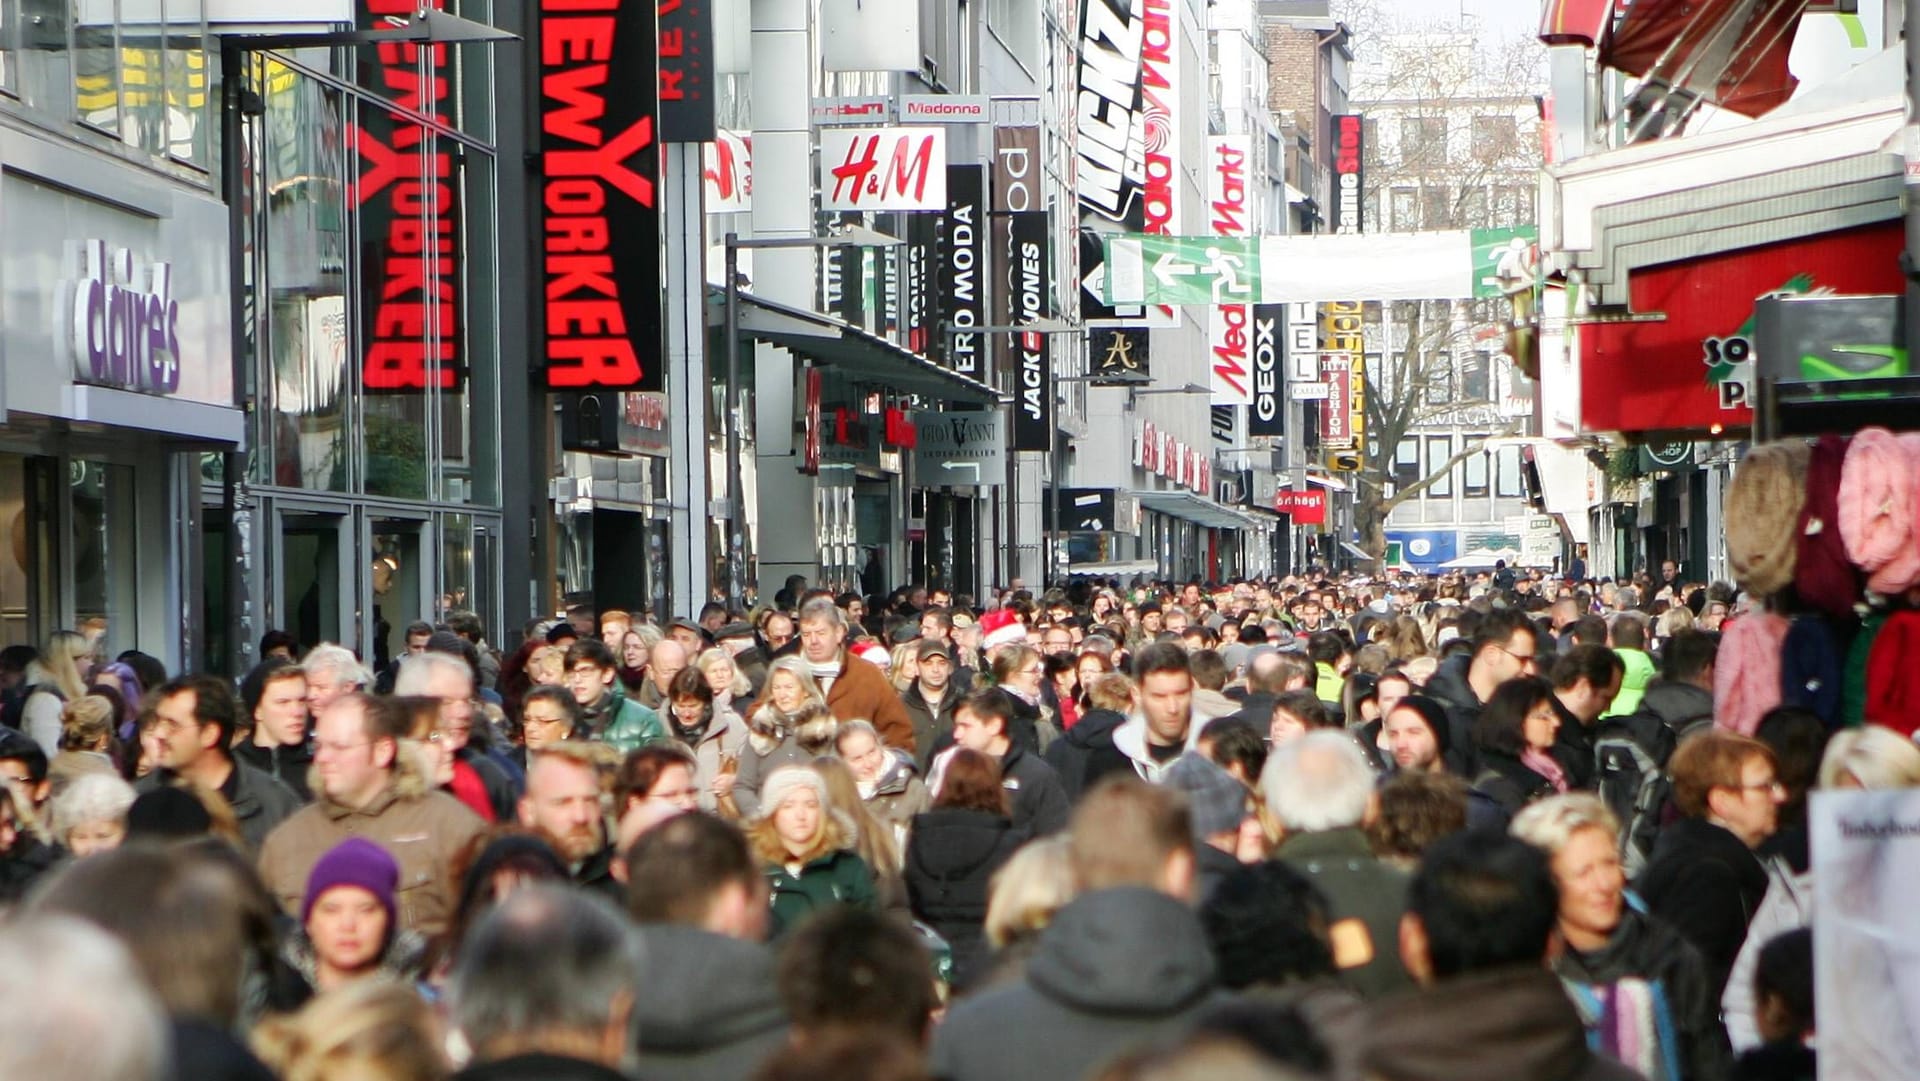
(1439, 449)
(302, 187)
(1473, 482)
(143, 75)
(10, 23)
(408, 326)
(1507, 473)
(469, 411)
(189, 98)
(105, 565)
(96, 68)
(456, 565)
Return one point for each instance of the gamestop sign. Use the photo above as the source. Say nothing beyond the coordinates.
(600, 172)
(883, 169)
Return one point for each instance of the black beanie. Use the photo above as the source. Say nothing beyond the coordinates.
(1435, 715)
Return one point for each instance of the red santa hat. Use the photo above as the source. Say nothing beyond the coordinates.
(875, 653)
(1001, 628)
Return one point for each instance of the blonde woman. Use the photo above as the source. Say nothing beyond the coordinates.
(791, 697)
(58, 677)
(807, 849)
(86, 737)
(1026, 892)
(905, 667)
(1617, 954)
(368, 1030)
(873, 842)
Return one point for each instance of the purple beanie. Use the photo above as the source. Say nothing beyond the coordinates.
(355, 861)
(1824, 576)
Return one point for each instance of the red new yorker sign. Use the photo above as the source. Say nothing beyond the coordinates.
(409, 315)
(600, 164)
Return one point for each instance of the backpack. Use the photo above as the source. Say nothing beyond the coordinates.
(1630, 757)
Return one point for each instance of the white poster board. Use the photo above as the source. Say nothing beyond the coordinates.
(1866, 933)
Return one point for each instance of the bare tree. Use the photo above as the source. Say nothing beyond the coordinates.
(1451, 143)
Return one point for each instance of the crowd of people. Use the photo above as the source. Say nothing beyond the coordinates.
(1339, 827)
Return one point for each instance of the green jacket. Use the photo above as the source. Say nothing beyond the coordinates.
(837, 878)
(626, 725)
(1365, 900)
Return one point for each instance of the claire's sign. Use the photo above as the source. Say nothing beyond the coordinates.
(125, 323)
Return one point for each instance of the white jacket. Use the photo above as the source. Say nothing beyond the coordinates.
(1787, 906)
(1130, 739)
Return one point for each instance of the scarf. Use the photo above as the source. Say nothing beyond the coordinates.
(825, 674)
(691, 735)
(1542, 763)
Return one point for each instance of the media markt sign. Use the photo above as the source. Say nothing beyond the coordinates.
(959, 448)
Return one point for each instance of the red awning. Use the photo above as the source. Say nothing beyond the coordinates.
(1575, 22)
(1734, 52)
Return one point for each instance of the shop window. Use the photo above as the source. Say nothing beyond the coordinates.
(1494, 137)
(1439, 379)
(1439, 449)
(1475, 376)
(1405, 219)
(188, 101)
(1436, 208)
(1423, 140)
(106, 564)
(1473, 478)
(302, 195)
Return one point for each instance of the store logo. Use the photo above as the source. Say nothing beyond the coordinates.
(126, 330)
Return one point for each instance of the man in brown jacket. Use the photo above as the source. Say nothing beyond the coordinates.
(857, 690)
(366, 784)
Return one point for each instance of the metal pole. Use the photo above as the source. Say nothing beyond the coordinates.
(736, 503)
(1910, 259)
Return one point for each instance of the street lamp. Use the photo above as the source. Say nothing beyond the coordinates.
(851, 236)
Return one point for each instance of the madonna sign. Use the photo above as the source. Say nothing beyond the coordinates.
(600, 160)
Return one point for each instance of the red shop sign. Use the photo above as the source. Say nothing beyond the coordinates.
(1690, 371)
(1305, 507)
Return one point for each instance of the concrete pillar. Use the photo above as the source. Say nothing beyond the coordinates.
(782, 70)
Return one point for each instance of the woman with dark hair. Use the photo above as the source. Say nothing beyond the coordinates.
(1064, 674)
(711, 731)
(548, 714)
(1514, 735)
(1088, 667)
(952, 853)
(656, 773)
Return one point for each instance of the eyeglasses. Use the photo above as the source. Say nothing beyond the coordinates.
(1524, 658)
(1773, 786)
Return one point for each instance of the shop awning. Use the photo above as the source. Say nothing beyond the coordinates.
(1119, 568)
(1329, 483)
(1355, 550)
(869, 357)
(1193, 508)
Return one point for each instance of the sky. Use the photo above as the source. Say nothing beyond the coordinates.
(1501, 18)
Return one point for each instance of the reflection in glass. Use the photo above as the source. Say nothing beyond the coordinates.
(105, 566)
(302, 187)
(189, 103)
(395, 579)
(456, 565)
(96, 67)
(310, 577)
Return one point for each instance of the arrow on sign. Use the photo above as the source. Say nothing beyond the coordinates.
(975, 466)
(1169, 267)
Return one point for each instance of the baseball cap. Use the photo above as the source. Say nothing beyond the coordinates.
(933, 647)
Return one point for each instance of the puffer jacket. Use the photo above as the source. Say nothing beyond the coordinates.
(422, 828)
(951, 858)
(837, 878)
(897, 796)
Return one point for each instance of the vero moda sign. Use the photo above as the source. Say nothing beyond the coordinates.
(600, 189)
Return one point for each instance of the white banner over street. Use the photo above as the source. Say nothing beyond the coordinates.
(1289, 269)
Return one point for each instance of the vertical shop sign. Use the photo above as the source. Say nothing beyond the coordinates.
(1266, 414)
(1343, 335)
(1110, 151)
(1160, 102)
(686, 71)
(409, 225)
(1349, 173)
(963, 268)
(1228, 159)
(923, 313)
(600, 169)
(1016, 191)
(1032, 375)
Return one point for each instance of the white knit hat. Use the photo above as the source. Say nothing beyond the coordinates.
(784, 781)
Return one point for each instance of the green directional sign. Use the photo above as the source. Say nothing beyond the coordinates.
(1505, 261)
(1183, 270)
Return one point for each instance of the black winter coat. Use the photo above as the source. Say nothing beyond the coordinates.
(951, 857)
(1508, 782)
(1086, 752)
(1645, 948)
(1707, 884)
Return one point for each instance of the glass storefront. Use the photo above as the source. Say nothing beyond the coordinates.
(370, 276)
